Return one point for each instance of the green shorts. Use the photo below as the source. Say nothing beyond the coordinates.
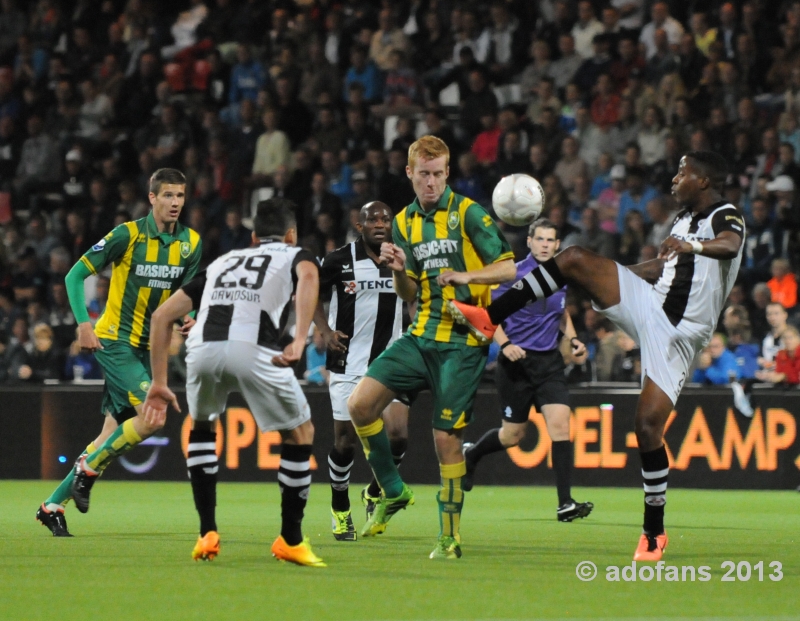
(128, 377)
(451, 371)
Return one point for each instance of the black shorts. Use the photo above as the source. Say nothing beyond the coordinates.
(538, 379)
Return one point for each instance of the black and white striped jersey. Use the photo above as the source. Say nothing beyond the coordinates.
(693, 288)
(246, 295)
(364, 306)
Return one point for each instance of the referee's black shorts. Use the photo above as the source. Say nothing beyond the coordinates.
(538, 379)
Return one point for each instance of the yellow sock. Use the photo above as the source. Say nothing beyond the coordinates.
(451, 499)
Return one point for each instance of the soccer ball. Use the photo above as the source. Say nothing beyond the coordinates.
(518, 199)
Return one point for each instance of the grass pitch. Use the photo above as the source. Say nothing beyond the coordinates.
(130, 558)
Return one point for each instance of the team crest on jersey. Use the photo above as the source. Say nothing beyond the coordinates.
(453, 220)
(186, 249)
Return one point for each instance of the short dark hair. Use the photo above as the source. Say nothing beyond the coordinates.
(542, 223)
(274, 216)
(712, 165)
(166, 176)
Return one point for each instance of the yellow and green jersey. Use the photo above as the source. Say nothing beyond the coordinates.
(457, 235)
(147, 266)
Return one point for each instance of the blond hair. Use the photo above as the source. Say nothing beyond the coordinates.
(428, 148)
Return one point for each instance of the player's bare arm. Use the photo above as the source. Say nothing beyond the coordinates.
(305, 303)
(723, 247)
(159, 396)
(572, 349)
(395, 259)
(333, 338)
(494, 274)
(508, 349)
(649, 270)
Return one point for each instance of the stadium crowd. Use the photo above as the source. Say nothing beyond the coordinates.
(319, 100)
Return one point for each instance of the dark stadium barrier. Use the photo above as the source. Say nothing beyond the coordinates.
(709, 445)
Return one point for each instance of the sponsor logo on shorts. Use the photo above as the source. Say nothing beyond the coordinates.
(144, 386)
(447, 414)
(507, 411)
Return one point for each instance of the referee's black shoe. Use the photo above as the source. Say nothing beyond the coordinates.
(573, 510)
(467, 480)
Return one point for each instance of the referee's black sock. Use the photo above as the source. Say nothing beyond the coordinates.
(203, 466)
(542, 282)
(489, 443)
(655, 471)
(294, 478)
(398, 448)
(339, 466)
(562, 464)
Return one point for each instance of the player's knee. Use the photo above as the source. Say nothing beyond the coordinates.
(303, 434)
(571, 257)
(649, 431)
(511, 435)
(361, 409)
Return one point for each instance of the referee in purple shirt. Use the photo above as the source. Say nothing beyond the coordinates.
(534, 342)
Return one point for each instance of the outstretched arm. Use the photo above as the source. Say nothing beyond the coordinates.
(723, 247)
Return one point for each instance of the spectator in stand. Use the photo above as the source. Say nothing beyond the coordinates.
(543, 97)
(783, 284)
(760, 245)
(40, 239)
(580, 200)
(570, 165)
(436, 127)
(777, 318)
(547, 133)
(662, 212)
(786, 163)
(636, 195)
(481, 101)
(41, 361)
(609, 199)
(510, 160)
(632, 239)
(234, 235)
(606, 103)
(599, 63)
(766, 160)
(321, 201)
(715, 364)
(363, 71)
(29, 280)
(248, 76)
(295, 119)
(485, 145)
(272, 150)
(470, 181)
(652, 136)
(316, 373)
(787, 361)
(663, 62)
(585, 29)
(602, 179)
(592, 237)
(745, 352)
(661, 19)
(629, 60)
(539, 67)
(593, 139)
(387, 39)
(563, 69)
(360, 137)
(539, 163)
(39, 164)
(506, 43)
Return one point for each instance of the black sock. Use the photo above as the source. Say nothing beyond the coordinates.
(562, 464)
(398, 448)
(339, 466)
(542, 282)
(203, 466)
(294, 478)
(655, 471)
(489, 443)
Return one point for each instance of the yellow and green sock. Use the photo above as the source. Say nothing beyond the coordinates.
(379, 455)
(118, 443)
(63, 493)
(451, 499)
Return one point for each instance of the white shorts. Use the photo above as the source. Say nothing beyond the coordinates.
(341, 387)
(218, 368)
(667, 353)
